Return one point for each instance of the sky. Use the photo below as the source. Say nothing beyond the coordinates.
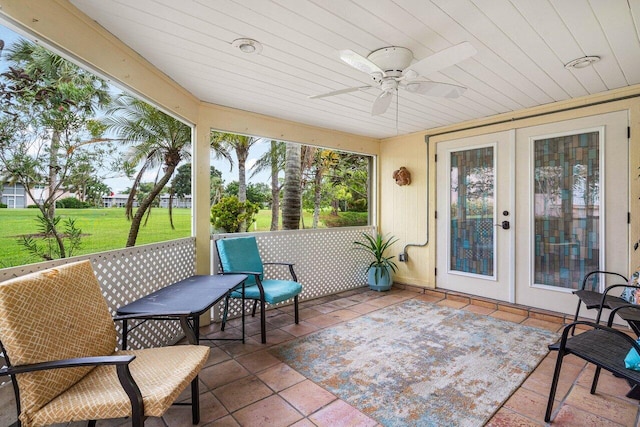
(118, 184)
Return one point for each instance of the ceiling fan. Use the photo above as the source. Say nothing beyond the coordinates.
(390, 68)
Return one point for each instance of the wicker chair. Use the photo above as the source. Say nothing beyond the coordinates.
(59, 342)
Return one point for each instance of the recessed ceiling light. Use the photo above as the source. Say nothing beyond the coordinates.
(583, 62)
(248, 46)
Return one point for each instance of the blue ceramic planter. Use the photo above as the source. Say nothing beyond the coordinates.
(379, 278)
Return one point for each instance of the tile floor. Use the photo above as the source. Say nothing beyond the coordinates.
(243, 385)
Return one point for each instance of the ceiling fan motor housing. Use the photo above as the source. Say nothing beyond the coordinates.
(392, 60)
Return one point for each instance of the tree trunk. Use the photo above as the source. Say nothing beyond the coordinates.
(317, 182)
(145, 204)
(291, 202)
(275, 188)
(53, 174)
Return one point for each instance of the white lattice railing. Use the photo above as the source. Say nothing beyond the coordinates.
(128, 274)
(325, 260)
(325, 263)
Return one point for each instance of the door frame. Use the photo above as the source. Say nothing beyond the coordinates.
(506, 139)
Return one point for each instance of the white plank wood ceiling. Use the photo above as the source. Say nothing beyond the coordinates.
(522, 47)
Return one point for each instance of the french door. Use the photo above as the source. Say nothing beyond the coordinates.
(475, 215)
(523, 215)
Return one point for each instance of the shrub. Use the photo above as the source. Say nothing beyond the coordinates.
(71, 203)
(229, 213)
(359, 205)
(345, 219)
(2, 206)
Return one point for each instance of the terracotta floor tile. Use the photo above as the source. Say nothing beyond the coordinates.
(568, 416)
(236, 348)
(222, 373)
(307, 397)
(507, 418)
(281, 320)
(528, 403)
(363, 308)
(302, 328)
(333, 318)
(216, 355)
(607, 383)
(307, 313)
(258, 361)
(611, 408)
(274, 336)
(210, 410)
(430, 298)
(540, 379)
(303, 423)
(452, 303)
(272, 411)
(227, 421)
(505, 315)
(280, 377)
(345, 302)
(242, 392)
(340, 414)
(478, 309)
(327, 307)
(543, 324)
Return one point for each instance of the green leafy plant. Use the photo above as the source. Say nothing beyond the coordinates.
(230, 213)
(44, 246)
(376, 246)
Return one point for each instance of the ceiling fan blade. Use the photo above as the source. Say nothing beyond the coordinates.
(443, 59)
(382, 102)
(340, 92)
(443, 90)
(359, 62)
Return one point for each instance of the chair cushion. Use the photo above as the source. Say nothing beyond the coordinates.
(240, 254)
(161, 374)
(54, 314)
(275, 291)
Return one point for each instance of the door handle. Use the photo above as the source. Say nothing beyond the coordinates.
(505, 225)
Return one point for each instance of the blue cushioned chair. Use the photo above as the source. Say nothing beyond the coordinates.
(240, 255)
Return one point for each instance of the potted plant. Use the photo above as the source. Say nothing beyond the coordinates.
(379, 271)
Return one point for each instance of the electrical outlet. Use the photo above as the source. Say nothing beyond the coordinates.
(402, 257)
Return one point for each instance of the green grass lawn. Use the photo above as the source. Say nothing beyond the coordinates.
(103, 229)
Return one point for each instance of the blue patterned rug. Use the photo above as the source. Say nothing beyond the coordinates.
(420, 364)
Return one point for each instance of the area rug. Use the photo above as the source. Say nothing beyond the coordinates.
(422, 364)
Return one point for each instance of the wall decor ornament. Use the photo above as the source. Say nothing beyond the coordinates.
(402, 176)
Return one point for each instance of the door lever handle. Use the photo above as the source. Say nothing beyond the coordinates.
(505, 225)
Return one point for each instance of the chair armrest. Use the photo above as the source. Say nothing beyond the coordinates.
(605, 295)
(288, 264)
(68, 363)
(586, 277)
(568, 328)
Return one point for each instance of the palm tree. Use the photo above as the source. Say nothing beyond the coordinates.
(159, 141)
(291, 201)
(222, 143)
(274, 160)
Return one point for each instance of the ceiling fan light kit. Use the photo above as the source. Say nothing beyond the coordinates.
(391, 69)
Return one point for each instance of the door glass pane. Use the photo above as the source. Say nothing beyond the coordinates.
(566, 208)
(472, 201)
